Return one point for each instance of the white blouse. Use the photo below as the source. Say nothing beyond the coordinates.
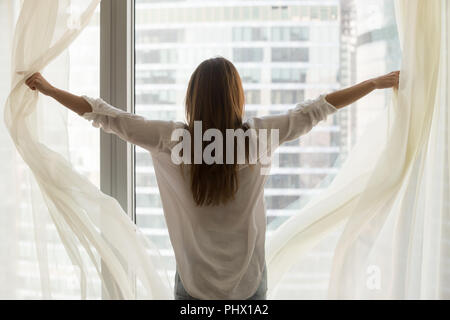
(219, 250)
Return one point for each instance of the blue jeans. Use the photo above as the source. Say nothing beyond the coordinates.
(181, 293)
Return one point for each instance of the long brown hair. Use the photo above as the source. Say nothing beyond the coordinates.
(216, 98)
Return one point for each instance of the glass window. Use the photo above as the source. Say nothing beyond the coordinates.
(155, 76)
(156, 97)
(159, 35)
(278, 181)
(280, 201)
(252, 97)
(249, 34)
(290, 33)
(248, 54)
(290, 54)
(287, 96)
(157, 56)
(289, 160)
(286, 75)
(84, 78)
(300, 59)
(250, 75)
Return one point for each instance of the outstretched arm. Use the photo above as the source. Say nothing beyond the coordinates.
(153, 135)
(71, 101)
(342, 98)
(300, 120)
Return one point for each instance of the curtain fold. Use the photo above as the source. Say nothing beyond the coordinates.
(99, 239)
(392, 194)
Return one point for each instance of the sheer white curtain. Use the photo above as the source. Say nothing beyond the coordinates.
(62, 235)
(386, 214)
(389, 203)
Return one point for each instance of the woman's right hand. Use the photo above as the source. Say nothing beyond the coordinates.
(38, 82)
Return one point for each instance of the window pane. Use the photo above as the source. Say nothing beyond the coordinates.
(290, 54)
(284, 54)
(84, 140)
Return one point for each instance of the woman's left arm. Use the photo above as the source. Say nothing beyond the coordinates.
(342, 98)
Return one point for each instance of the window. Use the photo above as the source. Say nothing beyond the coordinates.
(284, 54)
(289, 160)
(283, 181)
(288, 75)
(157, 56)
(159, 35)
(252, 97)
(247, 54)
(84, 141)
(290, 54)
(290, 34)
(250, 75)
(249, 34)
(156, 76)
(158, 97)
(287, 96)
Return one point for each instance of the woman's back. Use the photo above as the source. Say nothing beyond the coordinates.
(219, 249)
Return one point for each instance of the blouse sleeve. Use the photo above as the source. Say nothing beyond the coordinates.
(152, 135)
(296, 121)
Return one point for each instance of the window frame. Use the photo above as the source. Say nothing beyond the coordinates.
(117, 88)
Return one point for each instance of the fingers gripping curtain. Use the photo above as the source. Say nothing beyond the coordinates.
(392, 193)
(92, 227)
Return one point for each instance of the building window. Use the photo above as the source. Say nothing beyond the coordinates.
(290, 34)
(159, 35)
(155, 76)
(286, 75)
(287, 96)
(290, 54)
(252, 97)
(249, 34)
(250, 75)
(157, 56)
(156, 97)
(247, 54)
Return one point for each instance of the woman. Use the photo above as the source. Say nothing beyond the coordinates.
(215, 212)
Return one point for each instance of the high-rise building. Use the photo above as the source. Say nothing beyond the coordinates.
(347, 72)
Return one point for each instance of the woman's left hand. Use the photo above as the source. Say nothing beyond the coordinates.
(389, 80)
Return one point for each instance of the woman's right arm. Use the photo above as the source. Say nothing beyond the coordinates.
(69, 100)
(153, 135)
